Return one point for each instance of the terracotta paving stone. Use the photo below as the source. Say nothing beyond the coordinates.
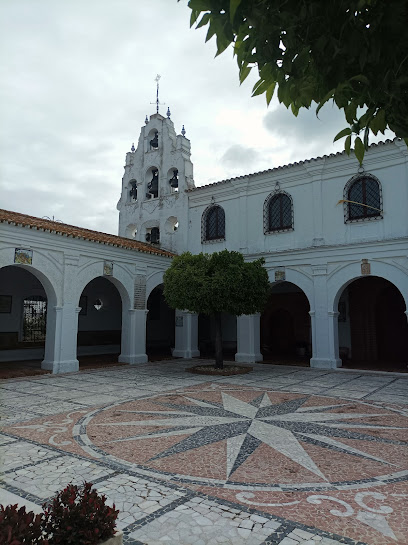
(312, 468)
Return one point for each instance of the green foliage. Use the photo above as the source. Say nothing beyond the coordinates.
(79, 516)
(352, 52)
(218, 282)
(18, 527)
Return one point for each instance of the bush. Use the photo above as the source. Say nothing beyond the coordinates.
(79, 516)
(17, 527)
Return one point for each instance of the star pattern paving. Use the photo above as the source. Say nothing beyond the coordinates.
(247, 425)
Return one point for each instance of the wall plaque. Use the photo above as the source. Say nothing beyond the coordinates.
(365, 267)
(108, 268)
(23, 257)
(179, 321)
(280, 275)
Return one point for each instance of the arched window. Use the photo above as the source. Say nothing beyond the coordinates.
(213, 224)
(278, 213)
(363, 200)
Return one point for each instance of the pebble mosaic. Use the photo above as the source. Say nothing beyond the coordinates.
(281, 456)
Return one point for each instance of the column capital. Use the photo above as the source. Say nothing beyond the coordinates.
(134, 310)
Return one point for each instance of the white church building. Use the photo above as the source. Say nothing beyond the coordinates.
(334, 238)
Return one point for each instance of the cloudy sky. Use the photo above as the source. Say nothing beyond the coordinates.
(77, 80)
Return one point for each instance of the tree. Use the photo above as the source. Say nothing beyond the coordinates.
(215, 283)
(353, 52)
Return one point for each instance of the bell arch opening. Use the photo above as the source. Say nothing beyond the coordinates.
(372, 325)
(99, 321)
(160, 323)
(285, 325)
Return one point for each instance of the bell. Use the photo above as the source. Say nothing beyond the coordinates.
(154, 143)
(155, 235)
(174, 180)
(153, 186)
(133, 191)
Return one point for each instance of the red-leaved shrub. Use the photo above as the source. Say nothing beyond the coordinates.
(79, 516)
(17, 527)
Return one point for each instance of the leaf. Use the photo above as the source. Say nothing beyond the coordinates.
(366, 136)
(351, 111)
(269, 92)
(378, 123)
(327, 97)
(295, 109)
(359, 149)
(222, 43)
(341, 134)
(260, 87)
(204, 20)
(210, 33)
(194, 16)
(243, 73)
(233, 8)
(347, 144)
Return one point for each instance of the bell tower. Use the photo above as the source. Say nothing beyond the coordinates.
(154, 206)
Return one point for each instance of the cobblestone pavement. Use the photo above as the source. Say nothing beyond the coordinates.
(283, 455)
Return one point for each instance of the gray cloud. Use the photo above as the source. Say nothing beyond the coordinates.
(306, 134)
(240, 156)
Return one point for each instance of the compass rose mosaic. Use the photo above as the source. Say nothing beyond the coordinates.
(248, 437)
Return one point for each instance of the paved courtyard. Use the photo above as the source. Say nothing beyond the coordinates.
(283, 455)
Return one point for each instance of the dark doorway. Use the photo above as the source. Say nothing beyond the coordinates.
(100, 319)
(206, 336)
(159, 326)
(374, 331)
(23, 315)
(285, 325)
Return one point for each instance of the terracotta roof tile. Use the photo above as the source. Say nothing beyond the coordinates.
(6, 216)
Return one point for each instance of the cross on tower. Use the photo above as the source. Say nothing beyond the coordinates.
(156, 79)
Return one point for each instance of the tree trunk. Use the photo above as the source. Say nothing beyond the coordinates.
(218, 341)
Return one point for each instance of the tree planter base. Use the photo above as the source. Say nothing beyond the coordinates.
(117, 539)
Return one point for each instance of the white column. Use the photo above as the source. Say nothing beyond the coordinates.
(248, 338)
(133, 346)
(61, 340)
(324, 325)
(186, 335)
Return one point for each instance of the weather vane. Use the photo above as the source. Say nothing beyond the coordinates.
(156, 79)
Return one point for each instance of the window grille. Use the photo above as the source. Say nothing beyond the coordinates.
(278, 213)
(365, 192)
(34, 319)
(214, 223)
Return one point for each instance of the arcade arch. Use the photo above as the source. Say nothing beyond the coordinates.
(285, 323)
(372, 324)
(27, 317)
(99, 318)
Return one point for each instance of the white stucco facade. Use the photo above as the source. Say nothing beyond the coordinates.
(64, 266)
(317, 250)
(321, 252)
